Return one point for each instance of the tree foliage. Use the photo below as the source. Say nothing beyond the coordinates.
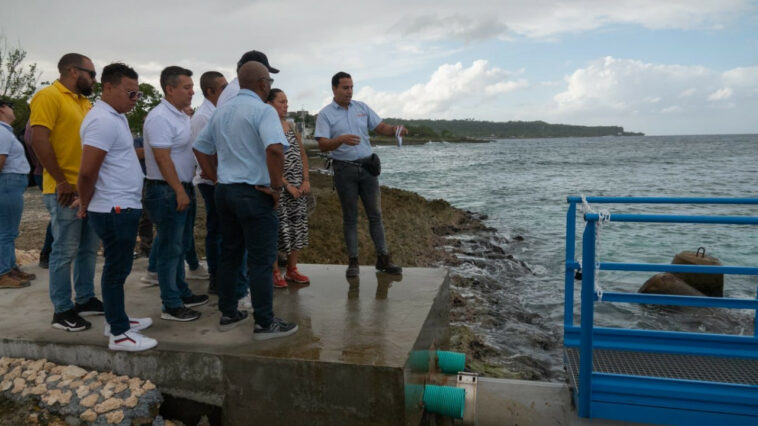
(151, 97)
(16, 81)
(511, 129)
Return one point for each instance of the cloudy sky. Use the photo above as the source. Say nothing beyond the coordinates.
(656, 66)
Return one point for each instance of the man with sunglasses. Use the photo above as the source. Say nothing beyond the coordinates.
(57, 112)
(110, 195)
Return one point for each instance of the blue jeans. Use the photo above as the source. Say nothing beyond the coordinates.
(12, 187)
(74, 241)
(170, 242)
(47, 246)
(248, 221)
(190, 254)
(119, 234)
(353, 181)
(213, 239)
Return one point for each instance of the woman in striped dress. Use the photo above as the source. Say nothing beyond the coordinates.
(293, 205)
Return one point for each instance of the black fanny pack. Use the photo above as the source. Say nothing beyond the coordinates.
(373, 165)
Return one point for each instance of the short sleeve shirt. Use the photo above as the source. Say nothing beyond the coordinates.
(61, 111)
(198, 122)
(357, 119)
(239, 132)
(229, 92)
(167, 127)
(15, 162)
(119, 182)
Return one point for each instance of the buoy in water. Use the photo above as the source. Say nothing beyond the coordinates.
(708, 284)
(666, 283)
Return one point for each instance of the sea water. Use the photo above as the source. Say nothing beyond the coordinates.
(522, 185)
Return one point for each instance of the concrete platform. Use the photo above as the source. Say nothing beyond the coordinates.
(346, 364)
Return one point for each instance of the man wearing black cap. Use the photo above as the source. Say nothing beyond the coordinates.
(231, 90)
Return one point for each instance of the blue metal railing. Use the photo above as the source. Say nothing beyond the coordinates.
(657, 341)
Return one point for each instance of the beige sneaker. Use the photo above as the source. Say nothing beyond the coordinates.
(6, 281)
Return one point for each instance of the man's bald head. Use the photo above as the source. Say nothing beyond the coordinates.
(251, 74)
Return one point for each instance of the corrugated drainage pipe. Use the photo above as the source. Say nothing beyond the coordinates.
(448, 362)
(451, 362)
(445, 400)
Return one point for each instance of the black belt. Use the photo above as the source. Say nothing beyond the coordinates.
(359, 162)
(163, 182)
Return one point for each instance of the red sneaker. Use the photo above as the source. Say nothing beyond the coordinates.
(295, 276)
(279, 281)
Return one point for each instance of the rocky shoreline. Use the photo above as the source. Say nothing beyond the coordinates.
(73, 395)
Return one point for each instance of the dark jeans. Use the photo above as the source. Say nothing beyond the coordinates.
(145, 229)
(212, 230)
(170, 242)
(213, 239)
(353, 181)
(47, 246)
(190, 254)
(118, 231)
(249, 222)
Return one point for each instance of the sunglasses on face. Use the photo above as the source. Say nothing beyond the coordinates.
(91, 73)
(134, 94)
(8, 104)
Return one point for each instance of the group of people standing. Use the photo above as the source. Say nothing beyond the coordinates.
(238, 148)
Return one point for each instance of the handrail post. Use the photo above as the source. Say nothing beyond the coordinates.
(587, 312)
(568, 302)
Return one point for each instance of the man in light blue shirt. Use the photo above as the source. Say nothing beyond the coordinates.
(247, 137)
(342, 129)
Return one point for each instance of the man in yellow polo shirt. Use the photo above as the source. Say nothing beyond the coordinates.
(57, 112)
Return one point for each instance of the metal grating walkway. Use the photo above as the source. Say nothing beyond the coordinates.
(672, 366)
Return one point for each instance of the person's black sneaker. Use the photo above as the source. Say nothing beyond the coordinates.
(70, 321)
(92, 307)
(352, 268)
(212, 285)
(44, 261)
(182, 314)
(227, 323)
(195, 300)
(384, 264)
(277, 328)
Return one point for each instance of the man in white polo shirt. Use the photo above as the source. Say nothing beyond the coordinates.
(110, 190)
(170, 165)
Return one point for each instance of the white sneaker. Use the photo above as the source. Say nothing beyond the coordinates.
(131, 341)
(245, 304)
(197, 274)
(150, 279)
(135, 324)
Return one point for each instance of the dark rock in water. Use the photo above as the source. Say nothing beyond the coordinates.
(666, 283)
(519, 238)
(709, 284)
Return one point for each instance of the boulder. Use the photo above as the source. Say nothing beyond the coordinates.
(115, 417)
(88, 416)
(90, 400)
(708, 284)
(666, 283)
(72, 372)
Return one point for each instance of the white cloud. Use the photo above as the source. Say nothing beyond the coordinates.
(631, 91)
(721, 94)
(450, 88)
